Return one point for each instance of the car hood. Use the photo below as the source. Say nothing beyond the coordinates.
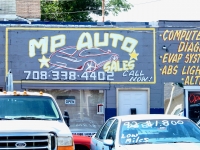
(167, 146)
(16, 126)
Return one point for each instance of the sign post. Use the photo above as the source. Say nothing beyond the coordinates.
(9, 81)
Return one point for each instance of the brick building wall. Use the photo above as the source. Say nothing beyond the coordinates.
(28, 9)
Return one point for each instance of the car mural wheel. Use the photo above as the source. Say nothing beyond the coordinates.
(90, 66)
(81, 147)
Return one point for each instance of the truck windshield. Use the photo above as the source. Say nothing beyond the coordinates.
(28, 107)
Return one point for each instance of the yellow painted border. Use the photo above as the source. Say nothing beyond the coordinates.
(84, 29)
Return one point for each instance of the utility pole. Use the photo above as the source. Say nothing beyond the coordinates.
(103, 6)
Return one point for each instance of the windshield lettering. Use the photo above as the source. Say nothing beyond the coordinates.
(159, 131)
(149, 124)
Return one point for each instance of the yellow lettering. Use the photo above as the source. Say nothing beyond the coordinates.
(171, 34)
(97, 42)
(196, 47)
(190, 48)
(187, 80)
(194, 33)
(183, 70)
(43, 44)
(197, 79)
(81, 44)
(116, 38)
(195, 58)
(187, 38)
(181, 46)
(175, 70)
(125, 64)
(191, 80)
(131, 42)
(164, 70)
(170, 68)
(197, 70)
(179, 57)
(187, 58)
(131, 64)
(192, 70)
(164, 35)
(106, 66)
(113, 66)
(57, 41)
(177, 34)
(171, 58)
(165, 57)
(183, 34)
(176, 58)
(186, 46)
(198, 36)
(192, 58)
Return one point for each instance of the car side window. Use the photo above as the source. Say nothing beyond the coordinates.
(99, 131)
(105, 128)
(112, 131)
(91, 52)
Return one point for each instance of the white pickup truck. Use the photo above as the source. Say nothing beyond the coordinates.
(32, 121)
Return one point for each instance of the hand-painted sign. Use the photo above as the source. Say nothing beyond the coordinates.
(119, 56)
(185, 61)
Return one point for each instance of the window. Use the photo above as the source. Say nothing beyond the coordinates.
(23, 106)
(99, 131)
(105, 129)
(112, 131)
(177, 110)
(67, 51)
(194, 106)
(91, 52)
(84, 119)
(157, 131)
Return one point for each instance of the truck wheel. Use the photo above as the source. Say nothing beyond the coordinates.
(81, 147)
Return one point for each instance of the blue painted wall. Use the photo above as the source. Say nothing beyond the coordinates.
(152, 59)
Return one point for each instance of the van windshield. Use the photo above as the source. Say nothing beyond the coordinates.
(28, 108)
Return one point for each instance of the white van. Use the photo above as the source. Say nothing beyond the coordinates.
(32, 121)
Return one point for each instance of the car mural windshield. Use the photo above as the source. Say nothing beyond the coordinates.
(28, 108)
(92, 52)
(158, 131)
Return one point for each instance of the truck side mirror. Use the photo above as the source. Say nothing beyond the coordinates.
(66, 118)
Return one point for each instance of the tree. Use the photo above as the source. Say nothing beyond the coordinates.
(80, 10)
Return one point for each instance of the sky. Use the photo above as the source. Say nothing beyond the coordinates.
(154, 10)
